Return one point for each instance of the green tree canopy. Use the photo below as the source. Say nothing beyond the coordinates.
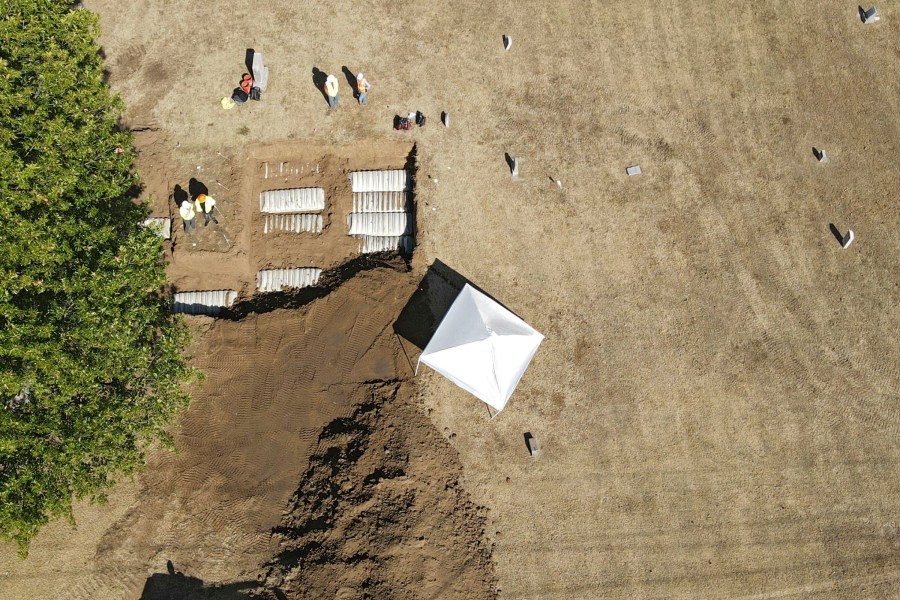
(91, 360)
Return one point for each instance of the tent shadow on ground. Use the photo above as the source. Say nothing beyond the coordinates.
(433, 297)
(175, 585)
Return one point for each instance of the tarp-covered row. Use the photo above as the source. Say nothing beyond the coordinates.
(375, 243)
(382, 215)
(382, 224)
(274, 280)
(395, 180)
(297, 223)
(296, 200)
(203, 303)
(380, 202)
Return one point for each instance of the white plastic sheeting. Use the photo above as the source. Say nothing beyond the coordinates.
(162, 226)
(396, 180)
(260, 71)
(380, 224)
(381, 215)
(482, 347)
(296, 200)
(379, 202)
(274, 280)
(306, 222)
(203, 303)
(374, 243)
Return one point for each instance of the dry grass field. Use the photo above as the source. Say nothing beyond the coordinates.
(717, 399)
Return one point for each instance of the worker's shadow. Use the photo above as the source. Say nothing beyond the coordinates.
(319, 78)
(428, 305)
(351, 81)
(179, 196)
(197, 187)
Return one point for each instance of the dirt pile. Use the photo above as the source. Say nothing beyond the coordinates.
(381, 514)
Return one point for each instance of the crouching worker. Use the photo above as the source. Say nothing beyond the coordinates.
(206, 205)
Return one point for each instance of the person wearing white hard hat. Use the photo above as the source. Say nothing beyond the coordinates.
(331, 90)
(187, 215)
(362, 88)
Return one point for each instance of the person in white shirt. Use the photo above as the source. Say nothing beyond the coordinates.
(187, 215)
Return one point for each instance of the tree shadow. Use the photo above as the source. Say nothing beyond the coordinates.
(351, 81)
(175, 585)
(837, 234)
(319, 78)
(195, 187)
(428, 305)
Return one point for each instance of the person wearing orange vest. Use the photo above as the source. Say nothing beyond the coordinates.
(362, 87)
(331, 90)
(187, 215)
(206, 205)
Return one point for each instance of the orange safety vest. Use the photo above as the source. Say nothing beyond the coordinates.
(246, 82)
(331, 88)
(361, 86)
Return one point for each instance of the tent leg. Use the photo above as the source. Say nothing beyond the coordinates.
(402, 347)
(491, 414)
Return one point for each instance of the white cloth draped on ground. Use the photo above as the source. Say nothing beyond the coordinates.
(482, 347)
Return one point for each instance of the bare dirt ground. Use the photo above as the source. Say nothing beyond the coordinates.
(229, 255)
(718, 396)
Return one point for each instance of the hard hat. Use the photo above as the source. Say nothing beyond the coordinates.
(331, 78)
(359, 76)
(201, 197)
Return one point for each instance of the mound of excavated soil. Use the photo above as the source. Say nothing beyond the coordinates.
(204, 521)
(380, 513)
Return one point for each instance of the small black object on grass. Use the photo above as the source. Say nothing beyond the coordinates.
(531, 444)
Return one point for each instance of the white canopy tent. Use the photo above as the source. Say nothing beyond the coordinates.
(482, 347)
